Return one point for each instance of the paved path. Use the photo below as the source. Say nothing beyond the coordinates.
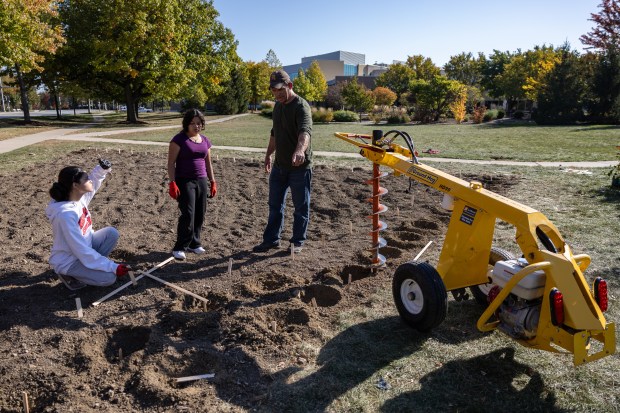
(9, 145)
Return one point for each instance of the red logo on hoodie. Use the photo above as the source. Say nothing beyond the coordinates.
(85, 222)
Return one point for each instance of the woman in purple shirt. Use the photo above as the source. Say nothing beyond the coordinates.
(190, 172)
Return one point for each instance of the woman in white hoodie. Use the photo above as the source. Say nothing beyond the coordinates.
(79, 254)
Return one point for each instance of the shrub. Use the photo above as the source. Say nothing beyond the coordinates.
(322, 115)
(489, 115)
(518, 114)
(396, 115)
(501, 113)
(345, 116)
(478, 114)
(377, 114)
(267, 104)
(266, 112)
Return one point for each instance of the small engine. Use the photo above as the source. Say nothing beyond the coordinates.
(520, 311)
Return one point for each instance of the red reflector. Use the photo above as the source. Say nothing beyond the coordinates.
(556, 299)
(493, 292)
(600, 293)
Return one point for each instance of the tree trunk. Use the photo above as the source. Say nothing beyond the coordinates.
(23, 93)
(131, 105)
(57, 104)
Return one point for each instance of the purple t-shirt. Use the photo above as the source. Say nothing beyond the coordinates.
(191, 160)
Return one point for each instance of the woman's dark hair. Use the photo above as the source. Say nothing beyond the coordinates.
(66, 178)
(189, 115)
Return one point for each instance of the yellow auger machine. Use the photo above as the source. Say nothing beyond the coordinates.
(542, 300)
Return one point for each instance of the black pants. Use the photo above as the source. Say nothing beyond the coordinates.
(193, 205)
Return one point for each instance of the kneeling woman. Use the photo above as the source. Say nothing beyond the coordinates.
(79, 254)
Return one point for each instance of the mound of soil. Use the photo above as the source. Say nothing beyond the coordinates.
(263, 309)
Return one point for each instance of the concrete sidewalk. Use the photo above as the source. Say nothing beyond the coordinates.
(9, 145)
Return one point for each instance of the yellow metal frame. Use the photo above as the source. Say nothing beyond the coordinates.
(464, 257)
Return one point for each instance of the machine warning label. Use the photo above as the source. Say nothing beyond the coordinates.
(468, 215)
(424, 176)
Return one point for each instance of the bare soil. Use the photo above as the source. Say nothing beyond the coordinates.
(125, 354)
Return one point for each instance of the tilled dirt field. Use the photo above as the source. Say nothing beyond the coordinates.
(125, 354)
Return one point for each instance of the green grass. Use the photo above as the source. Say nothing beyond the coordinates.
(522, 141)
(519, 141)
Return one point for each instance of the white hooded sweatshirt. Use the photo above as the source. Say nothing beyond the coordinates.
(73, 231)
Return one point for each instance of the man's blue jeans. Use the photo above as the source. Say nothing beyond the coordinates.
(280, 180)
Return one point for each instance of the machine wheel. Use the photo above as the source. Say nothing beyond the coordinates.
(481, 291)
(420, 295)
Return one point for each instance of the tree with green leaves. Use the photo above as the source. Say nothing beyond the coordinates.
(561, 98)
(235, 95)
(431, 98)
(465, 68)
(492, 68)
(28, 30)
(317, 82)
(357, 96)
(258, 77)
(603, 101)
(423, 67)
(301, 85)
(132, 51)
(397, 78)
(524, 76)
(272, 60)
(604, 39)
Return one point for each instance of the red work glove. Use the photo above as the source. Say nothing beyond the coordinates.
(213, 189)
(122, 270)
(173, 190)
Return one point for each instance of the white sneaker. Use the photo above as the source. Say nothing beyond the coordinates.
(198, 250)
(179, 255)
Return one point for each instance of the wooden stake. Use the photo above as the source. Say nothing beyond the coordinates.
(274, 326)
(198, 377)
(122, 287)
(133, 279)
(204, 306)
(412, 199)
(423, 249)
(313, 302)
(350, 279)
(25, 402)
(120, 354)
(230, 262)
(176, 287)
(78, 304)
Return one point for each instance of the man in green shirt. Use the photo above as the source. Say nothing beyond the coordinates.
(290, 139)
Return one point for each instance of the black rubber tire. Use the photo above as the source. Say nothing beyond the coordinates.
(420, 295)
(480, 292)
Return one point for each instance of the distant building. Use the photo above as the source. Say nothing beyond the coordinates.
(340, 66)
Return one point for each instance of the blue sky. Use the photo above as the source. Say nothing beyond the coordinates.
(394, 29)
